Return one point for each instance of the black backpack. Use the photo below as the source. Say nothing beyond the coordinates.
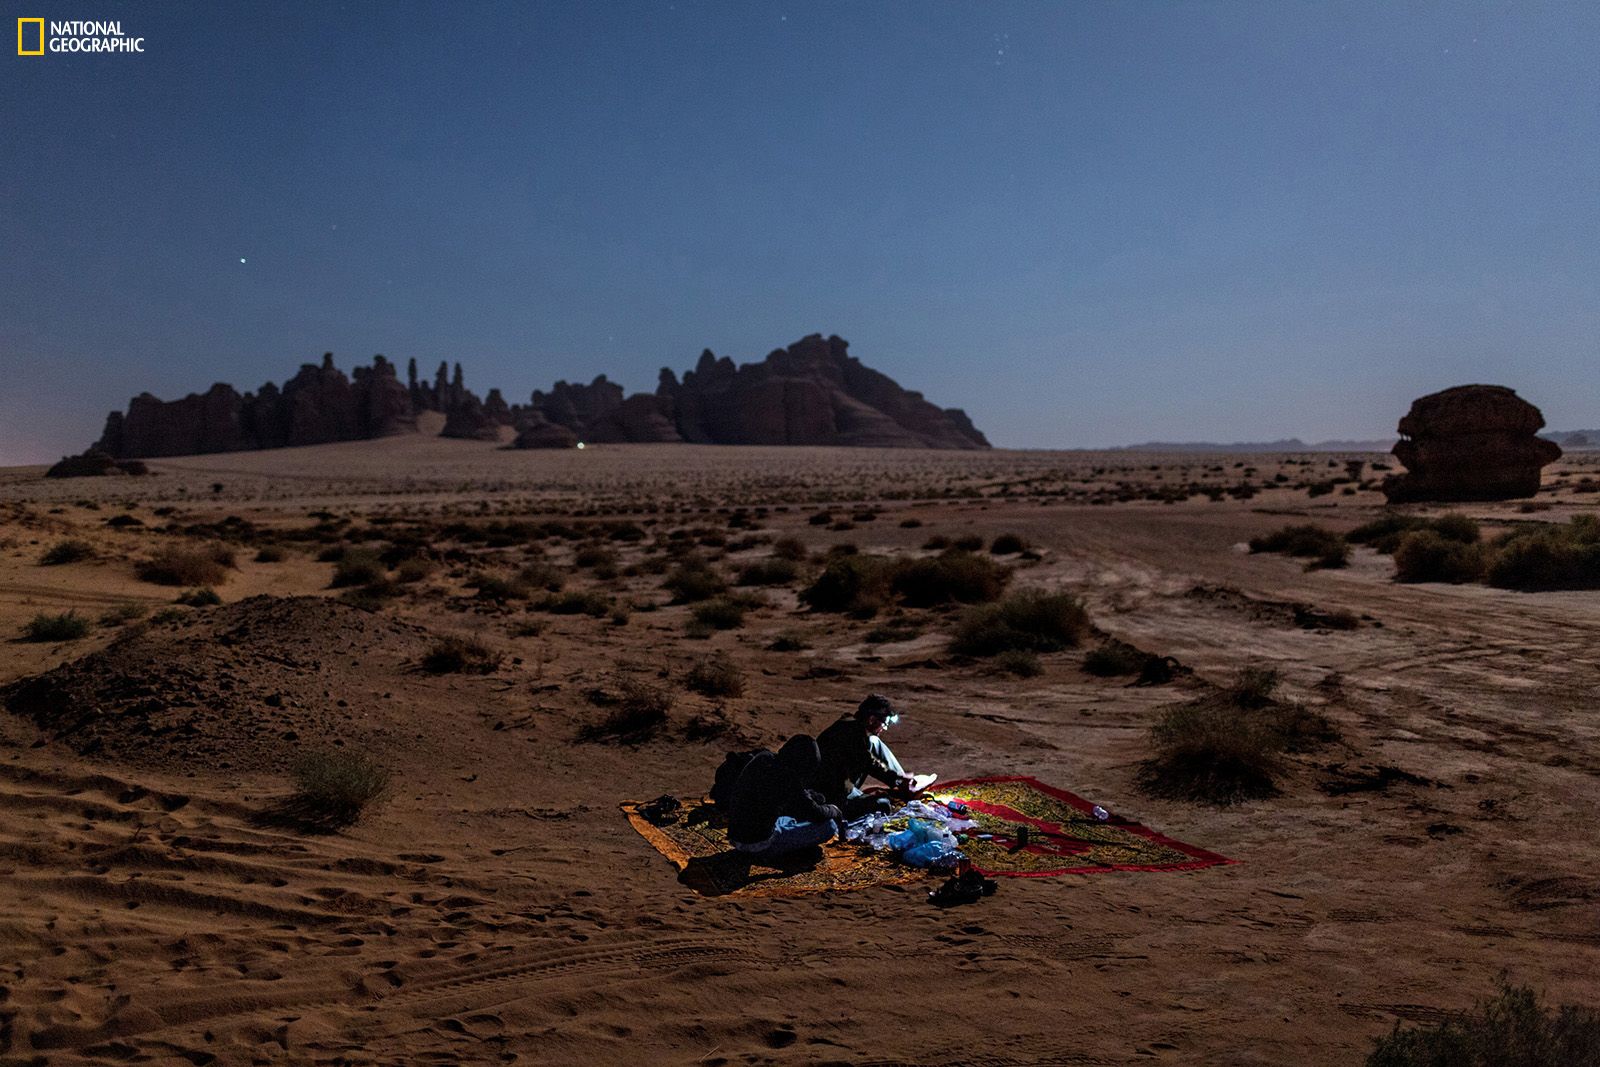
(733, 765)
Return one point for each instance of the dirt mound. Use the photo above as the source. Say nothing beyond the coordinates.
(242, 687)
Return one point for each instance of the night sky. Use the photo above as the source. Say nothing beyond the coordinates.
(1087, 223)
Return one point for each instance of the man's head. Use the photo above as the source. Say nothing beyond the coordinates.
(876, 712)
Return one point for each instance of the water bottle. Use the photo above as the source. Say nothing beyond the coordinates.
(1101, 813)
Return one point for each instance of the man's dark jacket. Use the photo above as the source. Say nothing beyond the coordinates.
(774, 785)
(847, 759)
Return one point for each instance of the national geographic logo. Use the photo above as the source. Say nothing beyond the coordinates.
(35, 37)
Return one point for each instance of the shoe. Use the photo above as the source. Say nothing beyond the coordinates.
(966, 888)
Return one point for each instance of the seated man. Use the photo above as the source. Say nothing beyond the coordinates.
(852, 750)
(773, 808)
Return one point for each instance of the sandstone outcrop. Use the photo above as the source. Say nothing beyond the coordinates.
(1471, 442)
(811, 393)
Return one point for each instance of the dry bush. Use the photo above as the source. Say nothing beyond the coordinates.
(460, 655)
(334, 787)
(955, 576)
(1513, 1029)
(789, 548)
(542, 576)
(1325, 548)
(1029, 621)
(772, 571)
(1253, 687)
(1549, 557)
(1114, 658)
(270, 554)
(1020, 663)
(123, 614)
(588, 603)
(1425, 556)
(693, 579)
(716, 676)
(854, 583)
(204, 597)
(893, 631)
(639, 714)
(66, 552)
(721, 613)
(1384, 534)
(500, 587)
(1007, 544)
(413, 570)
(173, 565)
(65, 627)
(357, 566)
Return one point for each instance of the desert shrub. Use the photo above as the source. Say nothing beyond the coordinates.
(123, 613)
(969, 543)
(1323, 546)
(206, 565)
(936, 543)
(121, 522)
(357, 566)
(639, 714)
(774, 571)
(499, 587)
(460, 655)
(716, 676)
(1456, 527)
(821, 518)
(954, 576)
(789, 642)
(1008, 544)
(334, 786)
(1425, 556)
(789, 548)
(627, 531)
(1513, 1029)
(721, 613)
(1549, 557)
(1113, 659)
(66, 552)
(1030, 621)
(1020, 663)
(594, 556)
(589, 603)
(413, 570)
(892, 631)
(910, 524)
(270, 554)
(1253, 687)
(204, 597)
(68, 626)
(1384, 534)
(1213, 751)
(692, 580)
(542, 576)
(855, 583)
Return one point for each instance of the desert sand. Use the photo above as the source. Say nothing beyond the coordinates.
(497, 907)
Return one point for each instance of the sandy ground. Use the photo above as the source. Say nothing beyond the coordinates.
(497, 908)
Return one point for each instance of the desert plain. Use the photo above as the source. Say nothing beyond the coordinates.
(163, 903)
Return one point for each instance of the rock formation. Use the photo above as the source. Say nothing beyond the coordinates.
(811, 393)
(1472, 442)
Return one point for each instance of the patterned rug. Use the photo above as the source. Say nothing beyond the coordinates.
(1063, 837)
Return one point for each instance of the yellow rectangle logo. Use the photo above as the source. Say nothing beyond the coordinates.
(22, 49)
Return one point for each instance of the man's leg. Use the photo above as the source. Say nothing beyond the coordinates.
(791, 835)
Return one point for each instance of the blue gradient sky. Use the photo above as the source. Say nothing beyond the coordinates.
(1087, 223)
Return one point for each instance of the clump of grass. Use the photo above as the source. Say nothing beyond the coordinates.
(1114, 658)
(1549, 557)
(68, 626)
(1385, 533)
(1020, 663)
(542, 576)
(499, 587)
(857, 584)
(270, 554)
(955, 576)
(639, 714)
(123, 614)
(721, 613)
(1231, 746)
(413, 570)
(595, 556)
(1512, 1029)
(1426, 556)
(1030, 621)
(789, 642)
(576, 603)
(1325, 548)
(66, 552)
(336, 787)
(460, 655)
(772, 571)
(204, 597)
(1007, 544)
(789, 548)
(715, 676)
(968, 543)
(205, 565)
(357, 566)
(693, 579)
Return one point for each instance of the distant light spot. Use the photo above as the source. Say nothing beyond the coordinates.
(241, 259)
(580, 446)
